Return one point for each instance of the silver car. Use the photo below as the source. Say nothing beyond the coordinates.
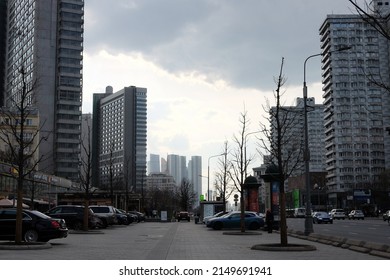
(356, 214)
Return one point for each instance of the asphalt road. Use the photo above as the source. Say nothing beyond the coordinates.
(176, 241)
(369, 229)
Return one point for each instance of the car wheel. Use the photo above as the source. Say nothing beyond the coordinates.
(331, 222)
(31, 236)
(217, 226)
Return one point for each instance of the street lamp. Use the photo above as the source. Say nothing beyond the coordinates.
(306, 153)
(208, 174)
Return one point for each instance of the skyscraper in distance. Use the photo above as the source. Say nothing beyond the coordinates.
(154, 164)
(194, 175)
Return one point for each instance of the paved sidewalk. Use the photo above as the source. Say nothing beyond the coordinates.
(176, 241)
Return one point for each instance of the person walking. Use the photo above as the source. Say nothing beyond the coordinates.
(269, 220)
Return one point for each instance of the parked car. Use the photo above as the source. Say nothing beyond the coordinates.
(74, 216)
(121, 217)
(356, 214)
(106, 213)
(386, 216)
(36, 226)
(322, 217)
(140, 216)
(219, 214)
(233, 220)
(131, 218)
(183, 215)
(337, 214)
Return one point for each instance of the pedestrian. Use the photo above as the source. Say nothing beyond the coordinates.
(269, 220)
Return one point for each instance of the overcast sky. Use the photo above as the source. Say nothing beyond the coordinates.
(204, 62)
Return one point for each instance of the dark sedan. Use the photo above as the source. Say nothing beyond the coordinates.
(322, 217)
(74, 216)
(233, 220)
(140, 216)
(36, 226)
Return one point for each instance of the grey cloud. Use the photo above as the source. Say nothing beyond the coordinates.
(241, 42)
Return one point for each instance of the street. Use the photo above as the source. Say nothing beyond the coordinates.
(369, 229)
(176, 241)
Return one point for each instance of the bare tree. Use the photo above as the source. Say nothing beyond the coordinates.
(240, 163)
(223, 181)
(281, 144)
(21, 139)
(86, 170)
(185, 195)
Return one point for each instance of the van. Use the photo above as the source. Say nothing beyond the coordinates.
(299, 212)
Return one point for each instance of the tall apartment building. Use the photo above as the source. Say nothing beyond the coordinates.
(45, 40)
(194, 172)
(293, 134)
(119, 137)
(154, 164)
(356, 109)
(177, 167)
(3, 41)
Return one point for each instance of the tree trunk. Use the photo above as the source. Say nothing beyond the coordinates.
(282, 222)
(86, 214)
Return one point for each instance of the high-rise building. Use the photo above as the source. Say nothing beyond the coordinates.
(3, 41)
(194, 175)
(356, 108)
(154, 164)
(293, 137)
(44, 41)
(177, 167)
(119, 138)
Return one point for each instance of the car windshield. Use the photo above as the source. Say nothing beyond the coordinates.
(321, 214)
(100, 209)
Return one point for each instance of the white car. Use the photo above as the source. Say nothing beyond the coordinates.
(337, 214)
(356, 214)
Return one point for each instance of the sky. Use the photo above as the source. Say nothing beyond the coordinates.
(204, 63)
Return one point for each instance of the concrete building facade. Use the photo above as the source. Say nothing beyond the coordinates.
(44, 40)
(119, 138)
(292, 129)
(356, 108)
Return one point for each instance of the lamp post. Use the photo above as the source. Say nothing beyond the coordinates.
(306, 153)
(208, 174)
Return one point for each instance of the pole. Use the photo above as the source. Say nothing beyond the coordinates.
(306, 157)
(306, 153)
(208, 175)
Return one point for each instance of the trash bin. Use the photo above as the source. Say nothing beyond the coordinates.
(196, 219)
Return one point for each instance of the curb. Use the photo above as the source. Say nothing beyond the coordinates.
(279, 247)
(372, 248)
(25, 246)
